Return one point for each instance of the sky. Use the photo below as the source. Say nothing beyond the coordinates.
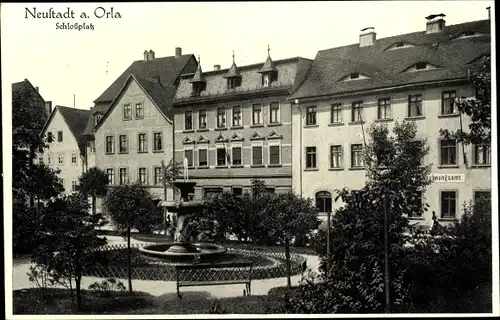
(72, 68)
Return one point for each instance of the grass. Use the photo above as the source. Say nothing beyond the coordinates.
(58, 301)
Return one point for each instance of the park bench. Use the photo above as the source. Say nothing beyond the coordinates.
(241, 268)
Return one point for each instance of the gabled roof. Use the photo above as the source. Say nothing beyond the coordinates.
(384, 66)
(291, 73)
(19, 86)
(76, 119)
(167, 68)
(160, 95)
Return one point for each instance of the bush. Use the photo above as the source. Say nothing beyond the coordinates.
(106, 287)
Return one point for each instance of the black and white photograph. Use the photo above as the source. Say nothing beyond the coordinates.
(249, 159)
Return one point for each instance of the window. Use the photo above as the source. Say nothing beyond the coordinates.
(274, 110)
(310, 116)
(73, 158)
(354, 75)
(238, 191)
(157, 141)
(209, 193)
(202, 119)
(421, 65)
(324, 201)
(202, 158)
(49, 158)
(448, 152)
(448, 102)
(336, 156)
(110, 144)
(482, 154)
(59, 136)
(123, 176)
(257, 114)
(482, 195)
(127, 112)
(270, 190)
(310, 157)
(356, 111)
(188, 120)
(74, 186)
(384, 108)
(448, 204)
(233, 82)
(40, 160)
(143, 175)
(60, 158)
(399, 44)
(50, 137)
(139, 111)
(221, 117)
(257, 155)
(336, 113)
(416, 203)
(236, 116)
(142, 145)
(221, 157)
(158, 176)
(356, 155)
(92, 146)
(123, 148)
(111, 175)
(97, 119)
(266, 80)
(188, 154)
(415, 105)
(236, 156)
(274, 155)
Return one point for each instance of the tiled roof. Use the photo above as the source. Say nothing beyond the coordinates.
(386, 68)
(198, 75)
(167, 68)
(268, 65)
(77, 121)
(233, 71)
(98, 108)
(161, 95)
(289, 73)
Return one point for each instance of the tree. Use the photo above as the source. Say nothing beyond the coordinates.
(127, 205)
(44, 183)
(94, 182)
(478, 109)
(355, 282)
(65, 237)
(290, 216)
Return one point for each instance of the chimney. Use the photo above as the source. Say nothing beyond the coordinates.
(146, 55)
(435, 23)
(367, 37)
(151, 55)
(48, 107)
(37, 89)
(178, 52)
(217, 67)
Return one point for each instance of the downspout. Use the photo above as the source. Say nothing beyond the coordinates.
(300, 139)
(173, 156)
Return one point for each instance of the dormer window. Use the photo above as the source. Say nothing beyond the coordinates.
(421, 65)
(198, 82)
(400, 45)
(233, 82)
(354, 76)
(198, 87)
(268, 71)
(469, 34)
(97, 118)
(268, 78)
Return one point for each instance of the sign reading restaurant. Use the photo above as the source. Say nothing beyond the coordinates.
(448, 177)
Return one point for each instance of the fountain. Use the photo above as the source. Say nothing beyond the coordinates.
(183, 248)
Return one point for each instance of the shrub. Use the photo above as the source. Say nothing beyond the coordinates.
(106, 287)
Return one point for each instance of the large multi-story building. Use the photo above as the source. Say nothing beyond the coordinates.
(66, 144)
(134, 132)
(233, 125)
(413, 77)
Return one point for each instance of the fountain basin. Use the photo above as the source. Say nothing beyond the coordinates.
(182, 252)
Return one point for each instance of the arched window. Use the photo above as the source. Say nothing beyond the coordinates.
(324, 201)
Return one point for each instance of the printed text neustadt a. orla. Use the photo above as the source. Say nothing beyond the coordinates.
(99, 13)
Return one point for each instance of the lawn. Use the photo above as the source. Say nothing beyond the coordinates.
(58, 301)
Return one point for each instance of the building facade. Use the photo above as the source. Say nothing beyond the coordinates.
(66, 145)
(414, 77)
(135, 135)
(234, 125)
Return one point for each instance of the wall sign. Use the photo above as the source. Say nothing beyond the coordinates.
(448, 177)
